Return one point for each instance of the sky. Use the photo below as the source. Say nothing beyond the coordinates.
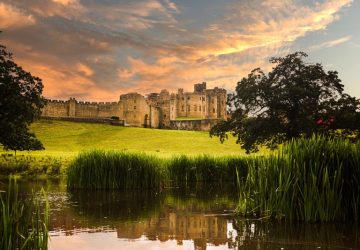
(98, 49)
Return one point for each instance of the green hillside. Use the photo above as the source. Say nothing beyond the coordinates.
(62, 138)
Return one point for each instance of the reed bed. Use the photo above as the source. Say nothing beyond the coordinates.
(24, 222)
(314, 179)
(115, 170)
(185, 171)
(122, 170)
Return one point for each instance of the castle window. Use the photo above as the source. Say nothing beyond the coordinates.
(213, 110)
(164, 116)
(182, 108)
(134, 101)
(188, 107)
(195, 108)
(199, 108)
(134, 107)
(183, 98)
(188, 97)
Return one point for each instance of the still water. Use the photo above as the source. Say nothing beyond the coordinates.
(174, 219)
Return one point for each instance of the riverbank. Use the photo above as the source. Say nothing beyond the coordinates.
(64, 140)
(312, 180)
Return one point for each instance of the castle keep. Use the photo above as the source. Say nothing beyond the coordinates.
(197, 110)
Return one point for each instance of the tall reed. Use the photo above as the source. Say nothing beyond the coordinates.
(115, 170)
(314, 179)
(122, 170)
(24, 223)
(187, 171)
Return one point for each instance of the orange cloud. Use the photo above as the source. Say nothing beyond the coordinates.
(82, 68)
(98, 51)
(66, 2)
(11, 17)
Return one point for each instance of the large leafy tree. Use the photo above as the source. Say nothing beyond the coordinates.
(294, 99)
(20, 104)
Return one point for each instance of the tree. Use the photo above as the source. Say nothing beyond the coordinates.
(20, 104)
(294, 99)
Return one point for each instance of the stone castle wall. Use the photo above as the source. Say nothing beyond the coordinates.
(73, 108)
(196, 125)
(157, 110)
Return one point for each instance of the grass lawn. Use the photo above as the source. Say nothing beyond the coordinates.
(66, 139)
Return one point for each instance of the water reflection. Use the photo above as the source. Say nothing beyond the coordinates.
(167, 216)
(254, 234)
(174, 218)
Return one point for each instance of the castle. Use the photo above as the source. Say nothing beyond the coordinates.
(197, 110)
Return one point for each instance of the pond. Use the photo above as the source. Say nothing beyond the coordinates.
(200, 218)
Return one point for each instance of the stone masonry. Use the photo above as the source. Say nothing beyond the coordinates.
(197, 110)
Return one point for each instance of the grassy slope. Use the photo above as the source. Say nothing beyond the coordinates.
(62, 138)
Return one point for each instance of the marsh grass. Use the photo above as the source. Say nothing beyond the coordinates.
(123, 170)
(190, 171)
(115, 170)
(314, 179)
(31, 166)
(24, 222)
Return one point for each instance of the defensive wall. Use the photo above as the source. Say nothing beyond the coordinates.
(203, 108)
(197, 125)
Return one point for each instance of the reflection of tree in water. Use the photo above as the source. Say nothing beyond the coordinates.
(255, 234)
(103, 210)
(206, 199)
(117, 205)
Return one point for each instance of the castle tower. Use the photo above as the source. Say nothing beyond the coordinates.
(72, 107)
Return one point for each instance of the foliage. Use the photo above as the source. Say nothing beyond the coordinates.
(23, 224)
(31, 166)
(294, 99)
(20, 104)
(201, 170)
(121, 170)
(314, 179)
(114, 170)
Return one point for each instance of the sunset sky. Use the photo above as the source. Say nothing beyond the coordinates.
(99, 49)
